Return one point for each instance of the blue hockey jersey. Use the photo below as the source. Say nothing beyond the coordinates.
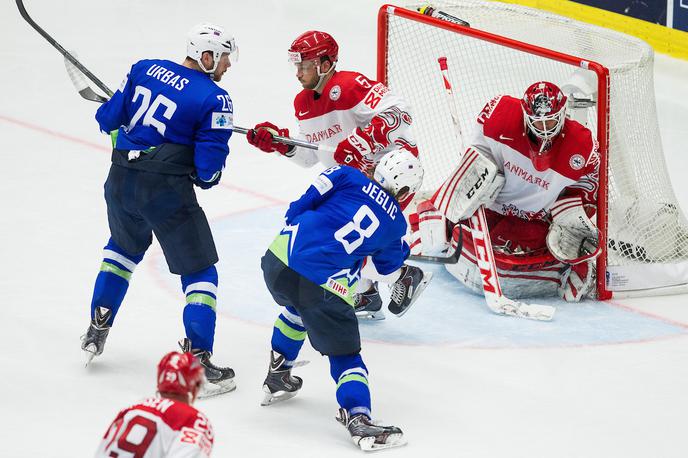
(342, 218)
(164, 102)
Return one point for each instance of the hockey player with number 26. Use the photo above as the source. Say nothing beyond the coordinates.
(170, 125)
(314, 263)
(359, 117)
(167, 426)
(536, 173)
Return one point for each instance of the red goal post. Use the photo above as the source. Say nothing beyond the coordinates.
(601, 72)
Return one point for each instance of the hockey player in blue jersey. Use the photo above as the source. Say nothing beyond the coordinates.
(312, 269)
(170, 124)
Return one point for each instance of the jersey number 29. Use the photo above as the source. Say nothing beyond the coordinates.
(148, 109)
(356, 226)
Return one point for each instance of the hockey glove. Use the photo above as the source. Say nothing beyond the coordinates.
(203, 184)
(572, 237)
(352, 151)
(262, 137)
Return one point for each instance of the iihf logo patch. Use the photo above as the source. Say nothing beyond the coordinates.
(222, 121)
(576, 162)
(335, 93)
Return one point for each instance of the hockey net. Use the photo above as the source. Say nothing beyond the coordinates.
(507, 48)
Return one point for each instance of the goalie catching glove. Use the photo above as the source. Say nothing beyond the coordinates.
(475, 182)
(262, 136)
(572, 237)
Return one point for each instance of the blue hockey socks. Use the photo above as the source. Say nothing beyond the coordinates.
(112, 281)
(199, 314)
(288, 335)
(351, 375)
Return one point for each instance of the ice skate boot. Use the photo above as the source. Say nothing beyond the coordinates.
(406, 290)
(279, 385)
(93, 342)
(220, 379)
(368, 305)
(369, 436)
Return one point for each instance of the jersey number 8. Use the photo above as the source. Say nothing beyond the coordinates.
(356, 226)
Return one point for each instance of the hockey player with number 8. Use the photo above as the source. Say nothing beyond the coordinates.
(358, 116)
(313, 266)
(536, 173)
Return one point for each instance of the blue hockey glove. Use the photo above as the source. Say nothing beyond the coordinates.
(203, 184)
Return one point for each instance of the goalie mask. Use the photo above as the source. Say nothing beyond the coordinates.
(544, 111)
(180, 373)
(313, 46)
(399, 171)
(212, 38)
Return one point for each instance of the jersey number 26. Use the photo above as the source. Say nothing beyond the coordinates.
(148, 109)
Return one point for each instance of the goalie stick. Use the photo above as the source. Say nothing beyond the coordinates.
(78, 73)
(484, 253)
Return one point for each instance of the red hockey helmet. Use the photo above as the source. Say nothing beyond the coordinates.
(544, 109)
(313, 45)
(180, 373)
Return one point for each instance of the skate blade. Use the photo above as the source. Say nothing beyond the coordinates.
(90, 352)
(427, 276)
(368, 444)
(274, 398)
(210, 390)
(366, 315)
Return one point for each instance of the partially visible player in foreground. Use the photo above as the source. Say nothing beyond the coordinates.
(312, 267)
(170, 124)
(536, 173)
(164, 426)
(358, 116)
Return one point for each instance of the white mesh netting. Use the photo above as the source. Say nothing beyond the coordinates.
(645, 222)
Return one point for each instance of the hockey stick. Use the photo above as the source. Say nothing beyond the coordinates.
(89, 93)
(78, 73)
(484, 253)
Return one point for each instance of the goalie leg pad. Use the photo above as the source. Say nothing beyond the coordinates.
(475, 182)
(577, 281)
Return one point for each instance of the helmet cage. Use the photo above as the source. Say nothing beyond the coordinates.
(544, 111)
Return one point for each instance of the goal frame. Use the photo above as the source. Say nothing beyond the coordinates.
(603, 91)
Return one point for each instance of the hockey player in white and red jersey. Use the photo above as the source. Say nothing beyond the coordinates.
(536, 173)
(358, 116)
(167, 425)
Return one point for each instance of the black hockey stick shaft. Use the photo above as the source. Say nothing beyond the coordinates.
(61, 50)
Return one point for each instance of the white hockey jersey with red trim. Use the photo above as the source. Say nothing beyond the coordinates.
(156, 428)
(349, 100)
(527, 192)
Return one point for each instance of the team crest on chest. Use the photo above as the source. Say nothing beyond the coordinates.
(576, 162)
(335, 93)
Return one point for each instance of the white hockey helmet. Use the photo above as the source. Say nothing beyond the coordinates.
(208, 37)
(397, 170)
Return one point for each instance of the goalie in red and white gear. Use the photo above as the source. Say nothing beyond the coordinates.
(359, 117)
(536, 173)
(167, 425)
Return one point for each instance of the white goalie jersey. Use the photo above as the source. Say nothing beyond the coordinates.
(157, 428)
(348, 101)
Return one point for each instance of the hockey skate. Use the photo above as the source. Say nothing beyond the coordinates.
(406, 290)
(368, 435)
(280, 385)
(93, 342)
(368, 305)
(220, 379)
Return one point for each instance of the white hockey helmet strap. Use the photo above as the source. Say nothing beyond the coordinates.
(397, 170)
(212, 38)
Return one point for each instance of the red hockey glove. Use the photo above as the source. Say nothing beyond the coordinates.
(353, 149)
(262, 137)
